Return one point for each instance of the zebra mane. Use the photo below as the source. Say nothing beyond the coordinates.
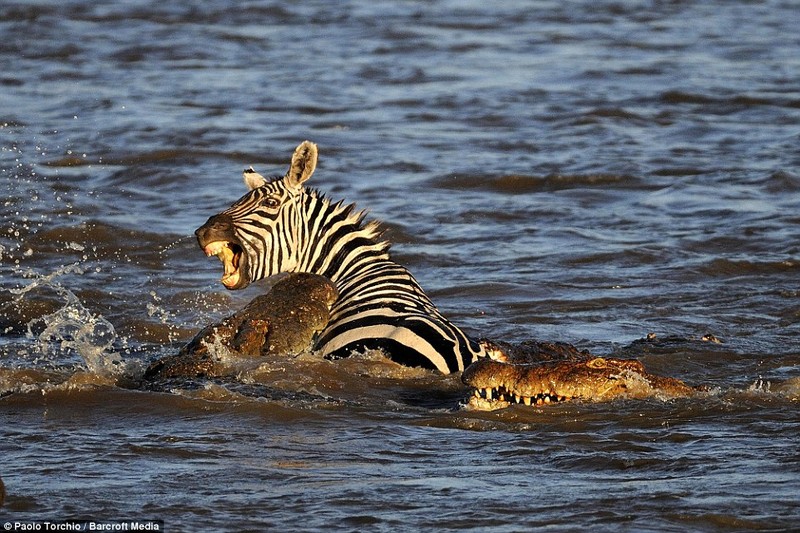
(342, 233)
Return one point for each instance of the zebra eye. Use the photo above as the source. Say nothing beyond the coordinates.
(270, 202)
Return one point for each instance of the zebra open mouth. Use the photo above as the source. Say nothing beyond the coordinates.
(231, 256)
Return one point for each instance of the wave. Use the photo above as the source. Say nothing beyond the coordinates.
(520, 183)
(731, 101)
(724, 267)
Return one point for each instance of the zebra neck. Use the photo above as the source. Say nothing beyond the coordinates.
(339, 245)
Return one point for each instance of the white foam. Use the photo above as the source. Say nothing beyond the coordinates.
(73, 328)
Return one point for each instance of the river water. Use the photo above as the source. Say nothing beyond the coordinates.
(586, 171)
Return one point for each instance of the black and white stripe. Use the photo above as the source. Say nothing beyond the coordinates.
(282, 226)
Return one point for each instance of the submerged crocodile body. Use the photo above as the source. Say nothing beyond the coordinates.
(284, 322)
(545, 373)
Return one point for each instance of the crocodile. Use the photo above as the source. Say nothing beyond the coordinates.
(538, 373)
(286, 320)
(283, 322)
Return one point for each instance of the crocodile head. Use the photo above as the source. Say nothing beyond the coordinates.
(497, 384)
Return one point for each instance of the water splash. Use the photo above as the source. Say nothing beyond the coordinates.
(169, 247)
(72, 329)
(760, 386)
(163, 315)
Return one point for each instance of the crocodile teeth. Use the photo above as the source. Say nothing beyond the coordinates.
(502, 394)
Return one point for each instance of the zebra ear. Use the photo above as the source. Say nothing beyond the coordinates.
(304, 161)
(253, 179)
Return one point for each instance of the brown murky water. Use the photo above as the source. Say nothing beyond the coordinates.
(583, 172)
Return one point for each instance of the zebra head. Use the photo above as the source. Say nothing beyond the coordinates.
(257, 236)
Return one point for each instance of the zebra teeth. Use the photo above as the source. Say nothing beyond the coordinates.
(215, 248)
(229, 255)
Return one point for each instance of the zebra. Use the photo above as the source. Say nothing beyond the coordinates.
(280, 225)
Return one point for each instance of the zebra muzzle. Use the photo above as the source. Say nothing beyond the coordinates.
(230, 255)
